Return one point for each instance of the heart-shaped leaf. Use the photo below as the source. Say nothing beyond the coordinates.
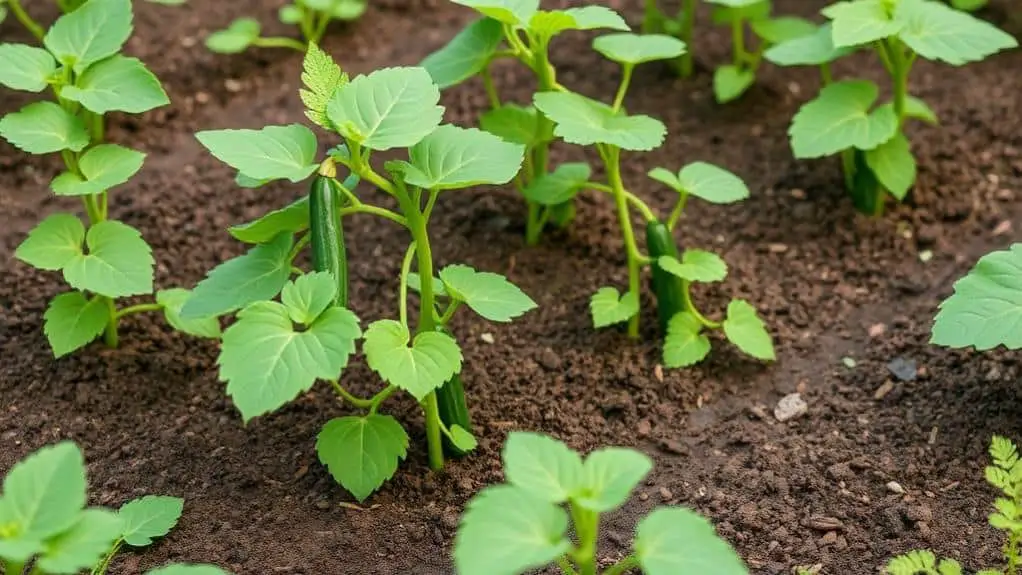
(685, 344)
(488, 294)
(362, 452)
(585, 122)
(609, 307)
(72, 321)
(840, 118)
(466, 55)
(419, 368)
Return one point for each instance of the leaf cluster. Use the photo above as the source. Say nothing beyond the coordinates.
(312, 17)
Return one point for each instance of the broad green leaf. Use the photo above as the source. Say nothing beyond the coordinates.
(685, 344)
(585, 122)
(72, 321)
(488, 294)
(860, 22)
(25, 67)
(704, 181)
(91, 33)
(53, 243)
(783, 29)
(266, 362)
(608, 477)
(308, 296)
(361, 453)
(746, 330)
(695, 266)
(730, 82)
(389, 108)
(235, 38)
(507, 530)
(117, 263)
(813, 50)
(348, 9)
(985, 310)
(148, 518)
(292, 219)
(117, 84)
(634, 49)
(419, 368)
(727, 11)
(42, 128)
(44, 493)
(466, 55)
(415, 284)
(597, 17)
(560, 186)
(452, 157)
(246, 182)
(840, 118)
(938, 32)
(674, 540)
(920, 110)
(608, 307)
(542, 466)
(290, 14)
(19, 549)
(514, 12)
(104, 166)
(257, 275)
(321, 77)
(182, 569)
(172, 301)
(462, 439)
(514, 124)
(274, 152)
(82, 546)
(894, 165)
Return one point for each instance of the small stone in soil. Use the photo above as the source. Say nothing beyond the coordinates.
(883, 390)
(790, 407)
(895, 487)
(487, 338)
(666, 494)
(849, 362)
(902, 368)
(877, 330)
(925, 256)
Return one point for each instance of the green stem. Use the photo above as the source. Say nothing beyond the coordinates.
(376, 211)
(826, 75)
(491, 88)
(279, 42)
(637, 203)
(738, 41)
(613, 166)
(105, 564)
(848, 167)
(347, 396)
(587, 524)
(320, 28)
(449, 312)
(687, 298)
(110, 333)
(623, 566)
(140, 308)
(679, 208)
(31, 25)
(298, 247)
(651, 17)
(406, 267)
(622, 89)
(546, 79)
(688, 23)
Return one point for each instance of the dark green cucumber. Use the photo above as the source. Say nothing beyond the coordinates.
(327, 234)
(668, 288)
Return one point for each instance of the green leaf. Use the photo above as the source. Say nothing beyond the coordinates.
(235, 38)
(349, 9)
(727, 11)
(812, 50)
(389, 108)
(308, 296)
(20, 550)
(695, 266)
(704, 181)
(746, 330)
(104, 166)
(634, 49)
(609, 307)
(415, 284)
(292, 219)
(685, 344)
(172, 301)
(266, 362)
(839, 118)
(419, 368)
(42, 128)
(322, 77)
(117, 84)
(514, 12)
(986, 308)
(920, 110)
(362, 452)
(783, 29)
(894, 165)
(452, 157)
(148, 518)
(91, 33)
(466, 55)
(488, 294)
(673, 540)
(462, 439)
(938, 32)
(290, 14)
(25, 67)
(53, 243)
(560, 186)
(730, 82)
(182, 569)
(860, 22)
(542, 466)
(82, 546)
(514, 124)
(257, 275)
(44, 493)
(585, 122)
(118, 263)
(507, 530)
(549, 24)
(608, 477)
(73, 321)
(274, 152)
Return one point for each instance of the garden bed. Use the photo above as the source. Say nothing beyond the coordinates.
(843, 296)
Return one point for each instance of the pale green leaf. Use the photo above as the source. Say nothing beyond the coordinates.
(117, 84)
(104, 166)
(515, 124)
(894, 165)
(746, 330)
(695, 266)
(609, 307)
(859, 22)
(419, 368)
(608, 477)
(82, 546)
(235, 38)
(597, 17)
(53, 243)
(274, 152)
(585, 122)
(938, 32)
(308, 296)
(815, 49)
(488, 294)
(542, 466)
(685, 344)
(72, 321)
(560, 186)
(783, 29)
(44, 493)
(466, 55)
(117, 263)
(292, 219)
(19, 549)
(514, 12)
(348, 10)
(709, 183)
(840, 118)
(290, 14)
(920, 110)
(727, 11)
(361, 453)
(42, 128)
(452, 157)
(415, 284)
(25, 67)
(91, 33)
(985, 310)
(675, 540)
(172, 301)
(322, 77)
(462, 439)
(634, 49)
(148, 518)
(730, 82)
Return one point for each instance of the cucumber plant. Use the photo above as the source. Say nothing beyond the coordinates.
(845, 118)
(522, 525)
(101, 259)
(279, 349)
(681, 26)
(312, 17)
(45, 524)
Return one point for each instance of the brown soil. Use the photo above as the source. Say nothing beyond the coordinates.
(152, 417)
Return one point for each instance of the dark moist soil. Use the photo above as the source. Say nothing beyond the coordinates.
(153, 419)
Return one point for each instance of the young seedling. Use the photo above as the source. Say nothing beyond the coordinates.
(1005, 475)
(44, 522)
(101, 259)
(522, 525)
(277, 350)
(680, 26)
(518, 30)
(845, 118)
(312, 17)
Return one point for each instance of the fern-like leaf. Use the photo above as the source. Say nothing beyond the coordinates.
(322, 77)
(1003, 452)
(949, 567)
(914, 563)
(999, 478)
